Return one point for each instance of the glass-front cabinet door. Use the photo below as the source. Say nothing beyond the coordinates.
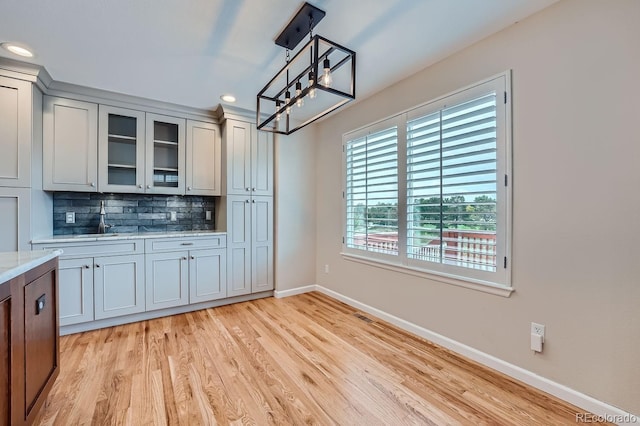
(121, 150)
(165, 159)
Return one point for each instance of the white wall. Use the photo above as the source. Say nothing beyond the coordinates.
(576, 177)
(295, 210)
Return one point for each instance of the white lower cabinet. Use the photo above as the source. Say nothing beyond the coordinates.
(167, 280)
(183, 271)
(106, 279)
(250, 244)
(95, 288)
(15, 211)
(76, 290)
(207, 275)
(118, 285)
(99, 280)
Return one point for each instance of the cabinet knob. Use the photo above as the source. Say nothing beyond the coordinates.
(148, 186)
(253, 189)
(193, 257)
(253, 201)
(93, 184)
(246, 201)
(139, 186)
(97, 265)
(188, 188)
(184, 257)
(86, 266)
(247, 188)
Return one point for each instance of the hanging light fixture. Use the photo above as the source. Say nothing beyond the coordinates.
(330, 70)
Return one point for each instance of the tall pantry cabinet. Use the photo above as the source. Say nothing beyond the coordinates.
(247, 208)
(23, 204)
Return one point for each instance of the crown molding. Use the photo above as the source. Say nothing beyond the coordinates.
(229, 112)
(106, 97)
(34, 73)
(38, 75)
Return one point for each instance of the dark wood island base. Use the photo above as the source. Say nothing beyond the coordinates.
(29, 342)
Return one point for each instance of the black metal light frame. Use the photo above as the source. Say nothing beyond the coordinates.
(267, 121)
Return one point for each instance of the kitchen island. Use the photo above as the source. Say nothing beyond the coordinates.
(29, 344)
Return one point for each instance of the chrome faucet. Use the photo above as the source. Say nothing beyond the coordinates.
(102, 227)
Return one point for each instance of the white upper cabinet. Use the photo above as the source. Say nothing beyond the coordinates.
(165, 155)
(249, 159)
(203, 167)
(70, 137)
(93, 147)
(261, 162)
(237, 135)
(15, 132)
(121, 150)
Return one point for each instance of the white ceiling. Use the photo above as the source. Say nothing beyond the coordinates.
(190, 52)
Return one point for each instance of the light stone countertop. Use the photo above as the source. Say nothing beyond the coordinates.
(16, 263)
(123, 236)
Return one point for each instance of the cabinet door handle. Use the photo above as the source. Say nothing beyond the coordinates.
(253, 189)
(97, 265)
(139, 186)
(186, 244)
(148, 186)
(86, 266)
(253, 201)
(184, 257)
(188, 188)
(93, 184)
(193, 257)
(40, 302)
(246, 201)
(247, 188)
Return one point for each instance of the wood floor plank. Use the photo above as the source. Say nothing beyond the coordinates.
(307, 359)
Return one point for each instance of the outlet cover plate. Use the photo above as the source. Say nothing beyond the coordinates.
(70, 217)
(537, 329)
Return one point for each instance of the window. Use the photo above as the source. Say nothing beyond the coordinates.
(372, 192)
(428, 189)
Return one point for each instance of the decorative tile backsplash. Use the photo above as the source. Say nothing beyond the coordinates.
(131, 212)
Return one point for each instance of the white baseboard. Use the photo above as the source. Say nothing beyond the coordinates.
(603, 410)
(279, 294)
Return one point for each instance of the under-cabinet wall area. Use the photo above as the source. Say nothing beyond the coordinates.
(128, 213)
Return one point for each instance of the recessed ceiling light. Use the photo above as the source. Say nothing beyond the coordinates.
(18, 50)
(228, 98)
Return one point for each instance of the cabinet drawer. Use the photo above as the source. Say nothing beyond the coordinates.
(93, 248)
(172, 244)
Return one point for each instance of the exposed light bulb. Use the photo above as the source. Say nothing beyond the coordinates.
(287, 101)
(278, 104)
(312, 90)
(300, 100)
(326, 78)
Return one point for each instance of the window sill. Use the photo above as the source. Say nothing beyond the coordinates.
(482, 286)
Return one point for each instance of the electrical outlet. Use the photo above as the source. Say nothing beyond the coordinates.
(174, 216)
(70, 217)
(537, 337)
(326, 268)
(537, 329)
(207, 215)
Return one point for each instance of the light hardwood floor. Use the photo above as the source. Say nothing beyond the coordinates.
(306, 359)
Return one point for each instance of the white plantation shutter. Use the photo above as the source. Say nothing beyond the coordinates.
(427, 190)
(372, 192)
(451, 185)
